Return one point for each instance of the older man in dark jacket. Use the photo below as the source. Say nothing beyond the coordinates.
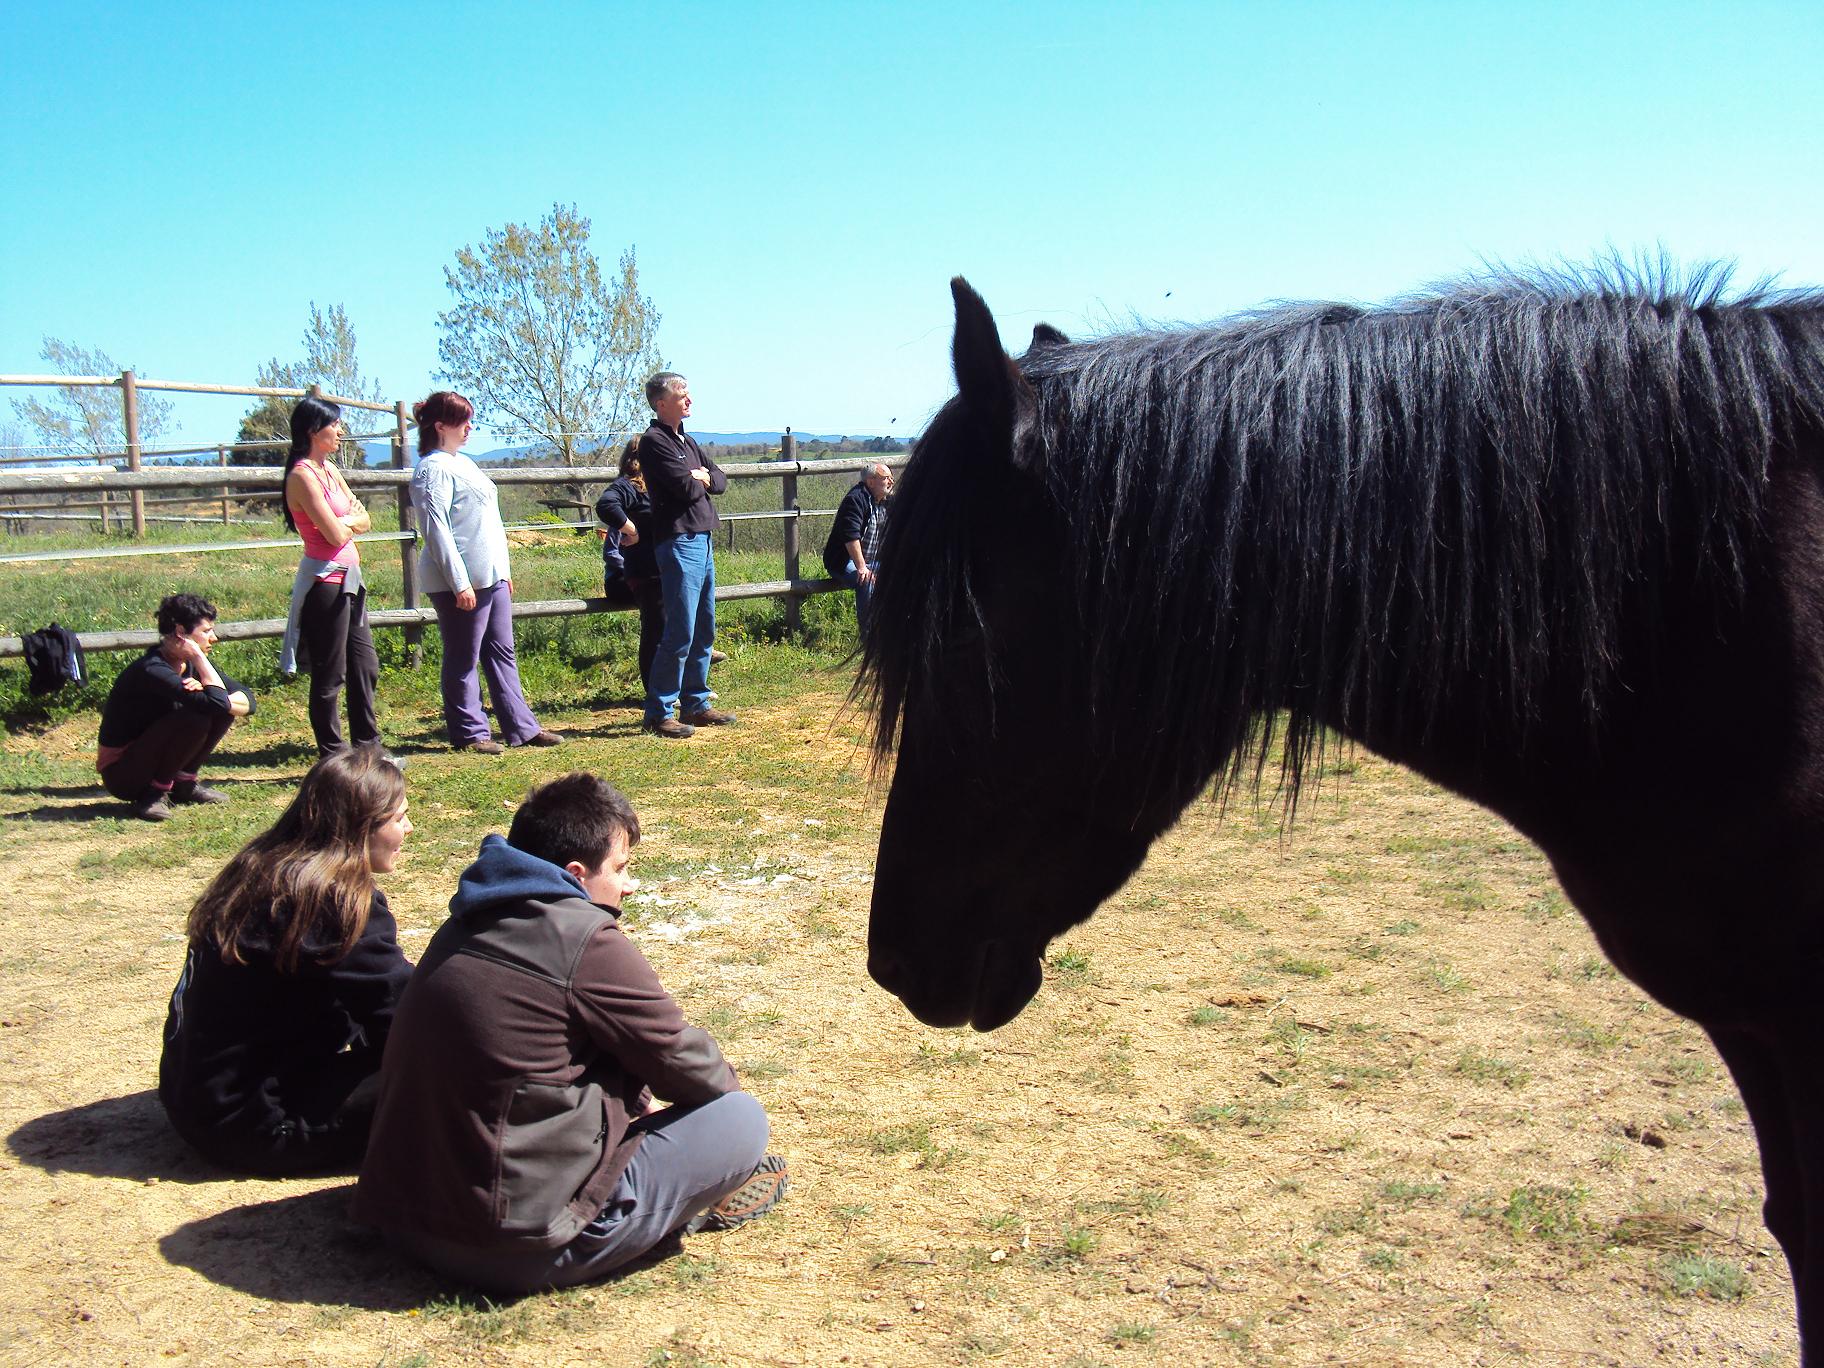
(852, 553)
(517, 1143)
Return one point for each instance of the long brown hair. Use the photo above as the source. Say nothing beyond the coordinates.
(630, 465)
(305, 884)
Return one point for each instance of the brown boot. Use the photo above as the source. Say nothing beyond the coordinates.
(710, 717)
(671, 729)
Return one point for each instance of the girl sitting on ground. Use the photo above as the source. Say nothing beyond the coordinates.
(276, 1026)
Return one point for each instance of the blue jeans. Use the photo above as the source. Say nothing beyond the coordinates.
(864, 593)
(680, 666)
(690, 1159)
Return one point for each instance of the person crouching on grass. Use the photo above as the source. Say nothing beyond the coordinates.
(166, 714)
(518, 1143)
(279, 1017)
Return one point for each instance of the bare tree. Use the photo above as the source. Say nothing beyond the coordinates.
(536, 335)
(88, 418)
(329, 360)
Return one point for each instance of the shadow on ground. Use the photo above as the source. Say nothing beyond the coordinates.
(307, 1249)
(117, 1137)
(301, 1249)
(73, 812)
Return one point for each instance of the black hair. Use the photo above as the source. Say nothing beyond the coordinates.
(309, 418)
(575, 817)
(181, 613)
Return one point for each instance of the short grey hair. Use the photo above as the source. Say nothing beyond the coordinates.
(658, 384)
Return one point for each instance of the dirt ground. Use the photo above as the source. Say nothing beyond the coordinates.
(1360, 1093)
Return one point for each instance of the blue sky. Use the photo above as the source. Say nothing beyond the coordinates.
(800, 181)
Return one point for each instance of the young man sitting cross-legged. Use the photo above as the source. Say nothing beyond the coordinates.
(517, 1143)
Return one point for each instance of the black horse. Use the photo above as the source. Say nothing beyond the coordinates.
(1554, 541)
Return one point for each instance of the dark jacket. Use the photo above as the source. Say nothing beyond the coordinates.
(53, 658)
(151, 688)
(249, 1049)
(679, 503)
(621, 503)
(853, 515)
(528, 1038)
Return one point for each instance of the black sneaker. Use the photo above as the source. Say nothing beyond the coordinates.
(196, 793)
(154, 807)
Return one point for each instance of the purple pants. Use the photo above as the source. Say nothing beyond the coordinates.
(484, 635)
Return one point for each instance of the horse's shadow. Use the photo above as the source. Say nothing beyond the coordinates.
(117, 1137)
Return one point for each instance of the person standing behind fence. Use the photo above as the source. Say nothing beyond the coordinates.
(852, 553)
(630, 574)
(328, 599)
(680, 479)
(463, 566)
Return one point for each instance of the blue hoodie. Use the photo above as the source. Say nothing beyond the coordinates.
(504, 873)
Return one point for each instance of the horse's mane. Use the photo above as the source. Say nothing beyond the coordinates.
(1466, 499)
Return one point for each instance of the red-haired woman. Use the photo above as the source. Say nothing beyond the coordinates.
(463, 566)
(287, 993)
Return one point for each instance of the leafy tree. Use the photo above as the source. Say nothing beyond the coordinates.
(536, 334)
(88, 418)
(329, 360)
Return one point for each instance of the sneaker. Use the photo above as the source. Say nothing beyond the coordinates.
(709, 717)
(486, 746)
(542, 738)
(671, 729)
(196, 793)
(154, 807)
(757, 1196)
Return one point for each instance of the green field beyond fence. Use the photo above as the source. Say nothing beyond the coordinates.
(105, 594)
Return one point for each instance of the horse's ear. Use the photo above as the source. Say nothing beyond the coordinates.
(989, 381)
(1044, 335)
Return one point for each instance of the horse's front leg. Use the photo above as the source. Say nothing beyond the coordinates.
(1777, 1072)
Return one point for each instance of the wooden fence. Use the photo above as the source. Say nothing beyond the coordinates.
(412, 616)
(129, 385)
(136, 480)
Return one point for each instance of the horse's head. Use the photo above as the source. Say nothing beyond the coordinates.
(1010, 817)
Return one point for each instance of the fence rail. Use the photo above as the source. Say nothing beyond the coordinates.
(413, 616)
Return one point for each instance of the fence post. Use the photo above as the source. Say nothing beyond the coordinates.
(221, 459)
(408, 550)
(129, 402)
(788, 502)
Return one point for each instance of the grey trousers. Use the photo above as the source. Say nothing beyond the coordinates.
(690, 1158)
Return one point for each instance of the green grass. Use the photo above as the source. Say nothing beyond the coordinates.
(1697, 1275)
(573, 661)
(1473, 1064)
(1545, 1211)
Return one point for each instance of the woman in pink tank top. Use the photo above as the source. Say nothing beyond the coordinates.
(332, 620)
